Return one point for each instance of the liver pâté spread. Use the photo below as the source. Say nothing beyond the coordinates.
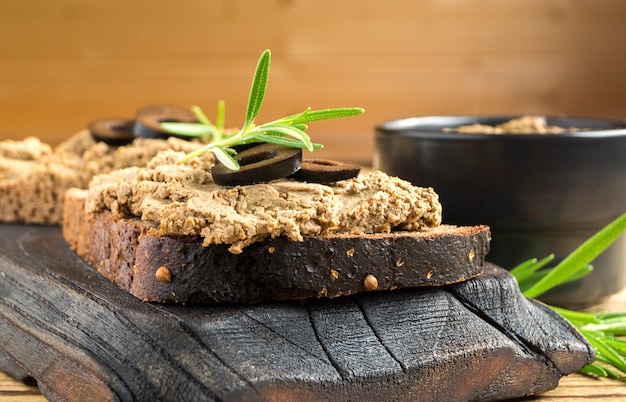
(520, 125)
(181, 199)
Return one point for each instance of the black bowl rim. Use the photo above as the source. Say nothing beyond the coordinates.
(431, 126)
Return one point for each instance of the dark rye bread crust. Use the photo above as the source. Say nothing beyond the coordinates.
(126, 252)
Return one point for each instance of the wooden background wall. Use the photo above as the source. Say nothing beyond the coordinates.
(65, 62)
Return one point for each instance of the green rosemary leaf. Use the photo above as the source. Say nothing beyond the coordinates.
(577, 317)
(294, 118)
(605, 352)
(283, 140)
(229, 151)
(572, 276)
(198, 152)
(287, 130)
(529, 279)
(259, 86)
(594, 369)
(614, 328)
(583, 255)
(529, 282)
(611, 315)
(221, 115)
(325, 114)
(580, 273)
(527, 268)
(187, 129)
(200, 115)
(600, 329)
(617, 344)
(597, 370)
(610, 372)
(519, 270)
(220, 118)
(613, 375)
(225, 158)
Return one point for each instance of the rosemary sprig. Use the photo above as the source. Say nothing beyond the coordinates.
(602, 330)
(289, 131)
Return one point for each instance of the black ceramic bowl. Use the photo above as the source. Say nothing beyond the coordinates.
(540, 193)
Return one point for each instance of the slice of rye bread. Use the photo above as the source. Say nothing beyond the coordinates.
(34, 176)
(179, 269)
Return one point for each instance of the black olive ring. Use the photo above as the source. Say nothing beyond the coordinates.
(112, 131)
(149, 119)
(326, 171)
(259, 164)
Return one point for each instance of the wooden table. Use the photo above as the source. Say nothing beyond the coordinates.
(572, 388)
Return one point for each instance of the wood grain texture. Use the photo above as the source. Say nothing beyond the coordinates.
(65, 63)
(574, 387)
(82, 337)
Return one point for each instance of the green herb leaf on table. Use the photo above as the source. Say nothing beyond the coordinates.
(289, 131)
(600, 329)
(579, 258)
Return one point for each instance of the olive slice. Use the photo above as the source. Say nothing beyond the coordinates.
(112, 131)
(149, 119)
(326, 171)
(259, 164)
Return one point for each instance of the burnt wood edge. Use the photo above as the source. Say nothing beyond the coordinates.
(478, 297)
(50, 271)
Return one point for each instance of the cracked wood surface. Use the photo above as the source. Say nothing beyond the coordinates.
(78, 335)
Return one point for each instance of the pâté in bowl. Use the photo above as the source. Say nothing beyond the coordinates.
(544, 184)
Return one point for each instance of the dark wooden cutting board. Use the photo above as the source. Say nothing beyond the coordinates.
(82, 338)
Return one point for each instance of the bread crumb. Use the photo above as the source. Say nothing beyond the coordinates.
(334, 274)
(350, 252)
